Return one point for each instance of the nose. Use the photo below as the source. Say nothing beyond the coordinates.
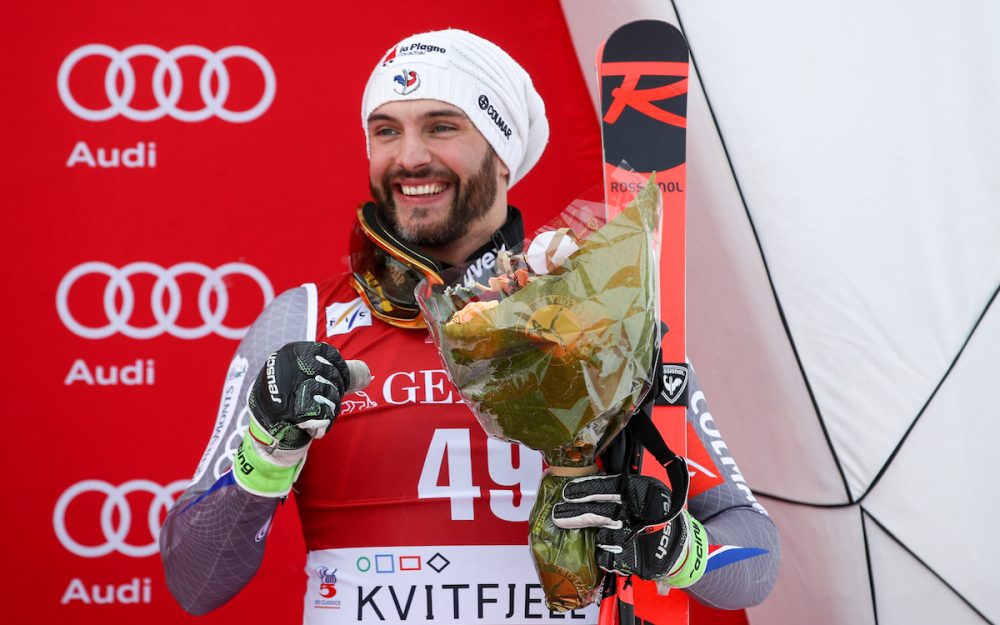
(413, 152)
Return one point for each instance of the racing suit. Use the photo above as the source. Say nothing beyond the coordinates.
(410, 512)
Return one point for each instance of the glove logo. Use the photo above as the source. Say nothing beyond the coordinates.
(115, 538)
(245, 467)
(272, 381)
(661, 549)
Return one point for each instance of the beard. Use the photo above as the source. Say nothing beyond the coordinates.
(472, 200)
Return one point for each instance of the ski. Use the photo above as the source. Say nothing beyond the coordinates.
(643, 77)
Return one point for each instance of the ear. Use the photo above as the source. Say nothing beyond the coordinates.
(502, 168)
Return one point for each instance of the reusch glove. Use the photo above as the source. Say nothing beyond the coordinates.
(294, 399)
(635, 537)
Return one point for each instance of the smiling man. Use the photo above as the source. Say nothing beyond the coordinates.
(437, 182)
(410, 513)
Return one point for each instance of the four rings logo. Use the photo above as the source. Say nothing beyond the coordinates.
(116, 538)
(166, 287)
(167, 98)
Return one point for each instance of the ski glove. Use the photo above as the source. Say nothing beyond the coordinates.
(294, 399)
(635, 536)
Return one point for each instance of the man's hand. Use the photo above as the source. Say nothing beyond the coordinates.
(294, 399)
(635, 535)
(297, 393)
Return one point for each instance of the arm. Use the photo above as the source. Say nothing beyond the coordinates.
(723, 549)
(744, 548)
(212, 541)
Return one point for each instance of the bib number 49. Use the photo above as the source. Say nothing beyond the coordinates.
(452, 449)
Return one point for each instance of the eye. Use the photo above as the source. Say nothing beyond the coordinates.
(439, 128)
(384, 131)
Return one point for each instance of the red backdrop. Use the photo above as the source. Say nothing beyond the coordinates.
(128, 276)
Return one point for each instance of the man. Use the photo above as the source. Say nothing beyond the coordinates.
(410, 513)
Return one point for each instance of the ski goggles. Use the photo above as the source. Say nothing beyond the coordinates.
(386, 270)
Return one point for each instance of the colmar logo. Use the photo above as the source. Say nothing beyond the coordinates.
(406, 82)
(344, 317)
(706, 423)
(494, 114)
(704, 474)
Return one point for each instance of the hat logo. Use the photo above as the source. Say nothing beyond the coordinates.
(494, 114)
(389, 58)
(406, 82)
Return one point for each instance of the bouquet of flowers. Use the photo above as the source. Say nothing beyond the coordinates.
(555, 350)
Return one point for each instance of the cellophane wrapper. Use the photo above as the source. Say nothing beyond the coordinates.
(554, 349)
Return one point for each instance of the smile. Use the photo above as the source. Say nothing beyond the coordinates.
(422, 189)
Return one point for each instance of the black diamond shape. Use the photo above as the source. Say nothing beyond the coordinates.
(438, 562)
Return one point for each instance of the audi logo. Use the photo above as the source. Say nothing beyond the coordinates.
(165, 315)
(115, 500)
(166, 101)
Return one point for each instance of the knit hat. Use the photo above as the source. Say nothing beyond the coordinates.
(470, 73)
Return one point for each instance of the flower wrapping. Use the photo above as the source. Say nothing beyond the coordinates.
(555, 350)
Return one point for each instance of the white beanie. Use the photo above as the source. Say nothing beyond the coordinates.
(468, 72)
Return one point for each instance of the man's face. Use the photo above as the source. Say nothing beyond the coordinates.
(431, 172)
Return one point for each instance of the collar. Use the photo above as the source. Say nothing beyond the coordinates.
(510, 235)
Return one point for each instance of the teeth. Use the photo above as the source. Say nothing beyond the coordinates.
(423, 189)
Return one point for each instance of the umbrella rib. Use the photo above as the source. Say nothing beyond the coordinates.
(913, 555)
(868, 562)
(931, 397)
(767, 269)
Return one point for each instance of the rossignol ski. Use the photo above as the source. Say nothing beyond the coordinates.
(643, 78)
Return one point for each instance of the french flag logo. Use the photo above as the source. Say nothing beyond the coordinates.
(406, 82)
(723, 555)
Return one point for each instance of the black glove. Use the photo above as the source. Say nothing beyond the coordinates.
(636, 535)
(297, 394)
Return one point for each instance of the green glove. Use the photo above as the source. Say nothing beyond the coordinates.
(294, 399)
(635, 536)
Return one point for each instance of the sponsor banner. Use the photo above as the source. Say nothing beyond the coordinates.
(492, 584)
(164, 180)
(166, 299)
(166, 81)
